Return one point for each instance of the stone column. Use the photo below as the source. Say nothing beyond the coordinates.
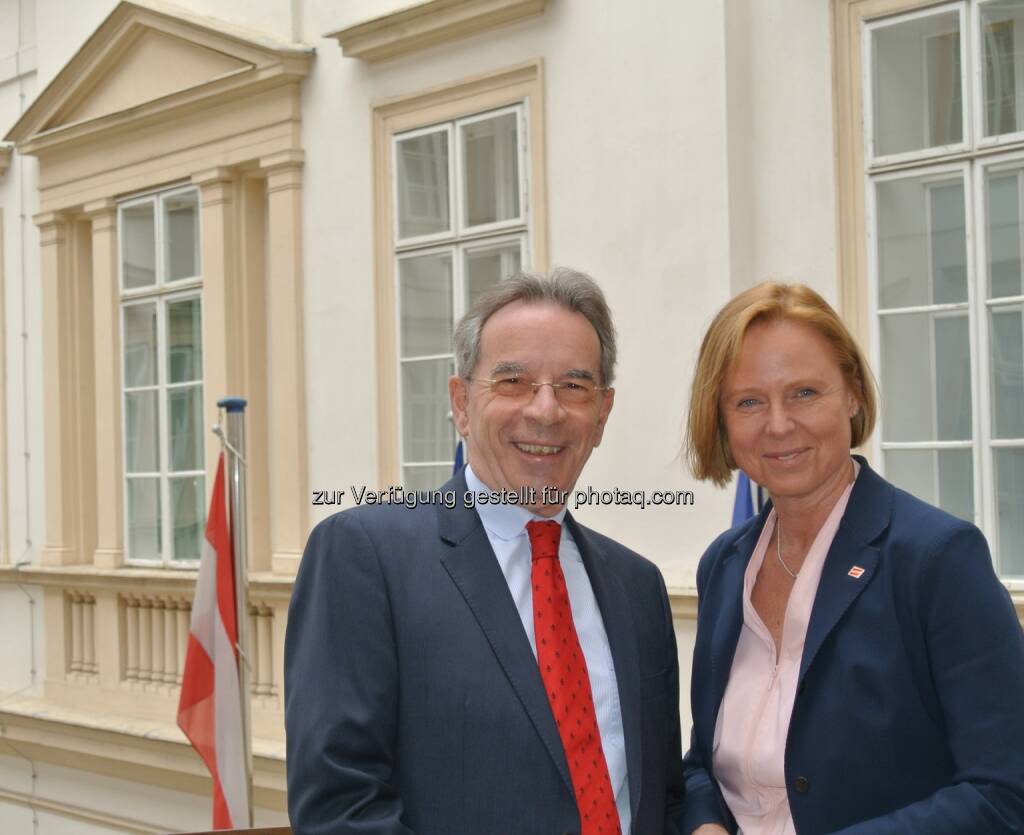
(145, 639)
(158, 640)
(131, 634)
(182, 617)
(221, 344)
(265, 646)
(60, 475)
(289, 496)
(77, 631)
(88, 634)
(106, 300)
(170, 641)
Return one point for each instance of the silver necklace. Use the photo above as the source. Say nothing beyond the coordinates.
(778, 553)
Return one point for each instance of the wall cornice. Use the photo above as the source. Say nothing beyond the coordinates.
(429, 24)
(683, 601)
(142, 751)
(131, 580)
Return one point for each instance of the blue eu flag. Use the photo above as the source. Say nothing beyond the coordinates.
(743, 504)
(458, 457)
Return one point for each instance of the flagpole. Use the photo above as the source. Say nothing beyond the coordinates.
(234, 444)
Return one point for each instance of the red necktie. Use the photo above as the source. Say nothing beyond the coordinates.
(563, 669)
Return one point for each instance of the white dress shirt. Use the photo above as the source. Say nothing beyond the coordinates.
(505, 525)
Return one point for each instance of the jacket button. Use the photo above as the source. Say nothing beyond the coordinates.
(802, 785)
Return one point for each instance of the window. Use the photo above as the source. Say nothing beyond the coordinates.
(944, 162)
(460, 226)
(162, 377)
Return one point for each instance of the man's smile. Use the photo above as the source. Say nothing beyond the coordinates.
(537, 449)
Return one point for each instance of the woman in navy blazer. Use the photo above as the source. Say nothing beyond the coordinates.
(906, 708)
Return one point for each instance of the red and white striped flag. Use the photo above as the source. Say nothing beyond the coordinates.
(210, 708)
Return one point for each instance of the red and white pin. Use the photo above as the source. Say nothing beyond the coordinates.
(856, 572)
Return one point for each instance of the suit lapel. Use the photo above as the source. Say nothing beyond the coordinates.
(851, 562)
(613, 602)
(473, 568)
(727, 620)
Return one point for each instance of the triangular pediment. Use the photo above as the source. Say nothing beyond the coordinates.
(154, 65)
(146, 57)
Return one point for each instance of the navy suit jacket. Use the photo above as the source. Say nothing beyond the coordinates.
(413, 701)
(909, 712)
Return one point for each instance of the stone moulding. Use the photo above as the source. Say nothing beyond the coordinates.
(115, 81)
(429, 24)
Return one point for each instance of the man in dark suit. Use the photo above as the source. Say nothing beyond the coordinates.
(479, 667)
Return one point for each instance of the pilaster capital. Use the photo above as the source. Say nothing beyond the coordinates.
(216, 185)
(283, 170)
(102, 213)
(52, 227)
(283, 159)
(103, 206)
(212, 176)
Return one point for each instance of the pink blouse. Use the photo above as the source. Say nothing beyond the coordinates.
(753, 719)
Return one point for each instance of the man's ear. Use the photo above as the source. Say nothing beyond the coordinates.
(458, 393)
(602, 416)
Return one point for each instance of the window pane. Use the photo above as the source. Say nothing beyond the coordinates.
(422, 167)
(940, 477)
(1009, 465)
(185, 416)
(926, 377)
(1002, 27)
(1004, 235)
(139, 345)
(490, 153)
(426, 478)
(138, 246)
(425, 300)
(922, 242)
(184, 341)
(144, 518)
(485, 267)
(427, 433)
(948, 243)
(142, 430)
(1007, 329)
(181, 223)
(917, 84)
(188, 517)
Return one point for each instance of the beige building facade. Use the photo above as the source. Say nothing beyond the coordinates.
(293, 201)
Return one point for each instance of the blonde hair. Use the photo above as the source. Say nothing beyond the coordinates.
(707, 445)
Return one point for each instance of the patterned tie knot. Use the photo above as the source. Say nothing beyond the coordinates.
(544, 539)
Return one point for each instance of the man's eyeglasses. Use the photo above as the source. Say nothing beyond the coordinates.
(569, 393)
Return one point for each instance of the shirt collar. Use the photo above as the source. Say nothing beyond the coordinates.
(505, 521)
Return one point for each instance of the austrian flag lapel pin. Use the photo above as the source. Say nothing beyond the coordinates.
(856, 572)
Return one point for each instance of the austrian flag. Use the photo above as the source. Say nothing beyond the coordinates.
(210, 708)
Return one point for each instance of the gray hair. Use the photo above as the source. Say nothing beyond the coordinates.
(568, 288)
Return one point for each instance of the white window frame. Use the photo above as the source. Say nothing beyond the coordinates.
(161, 293)
(983, 307)
(458, 241)
(877, 161)
(973, 160)
(978, 83)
